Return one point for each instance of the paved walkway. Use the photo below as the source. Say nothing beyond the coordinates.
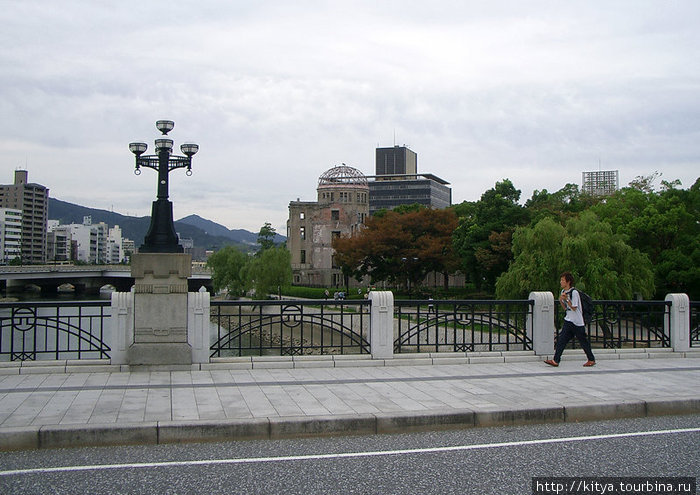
(42, 410)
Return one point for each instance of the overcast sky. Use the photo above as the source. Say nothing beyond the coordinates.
(277, 92)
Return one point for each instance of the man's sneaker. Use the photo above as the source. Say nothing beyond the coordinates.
(551, 362)
(589, 363)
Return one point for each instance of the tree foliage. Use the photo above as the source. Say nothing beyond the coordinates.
(238, 273)
(226, 266)
(663, 225)
(269, 272)
(482, 253)
(400, 247)
(266, 237)
(602, 263)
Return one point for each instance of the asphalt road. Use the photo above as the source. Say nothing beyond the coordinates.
(500, 460)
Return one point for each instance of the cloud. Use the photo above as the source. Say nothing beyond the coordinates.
(276, 93)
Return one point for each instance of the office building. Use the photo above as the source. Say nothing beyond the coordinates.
(397, 182)
(33, 201)
(397, 160)
(601, 183)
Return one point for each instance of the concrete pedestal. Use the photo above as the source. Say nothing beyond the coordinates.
(160, 309)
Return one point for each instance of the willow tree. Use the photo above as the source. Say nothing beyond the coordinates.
(602, 263)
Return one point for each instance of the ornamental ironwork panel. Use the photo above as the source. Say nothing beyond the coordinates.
(625, 324)
(462, 326)
(281, 328)
(51, 330)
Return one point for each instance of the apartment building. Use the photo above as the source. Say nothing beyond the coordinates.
(33, 201)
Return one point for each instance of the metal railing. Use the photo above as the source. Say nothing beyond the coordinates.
(624, 324)
(291, 327)
(462, 326)
(694, 323)
(53, 330)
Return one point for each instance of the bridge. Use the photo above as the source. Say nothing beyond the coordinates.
(83, 278)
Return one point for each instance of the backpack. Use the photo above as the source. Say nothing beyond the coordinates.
(586, 306)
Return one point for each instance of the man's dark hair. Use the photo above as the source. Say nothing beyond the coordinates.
(568, 277)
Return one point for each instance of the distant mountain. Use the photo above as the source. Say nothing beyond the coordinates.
(204, 233)
(216, 229)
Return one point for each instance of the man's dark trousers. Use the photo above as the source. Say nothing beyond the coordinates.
(568, 331)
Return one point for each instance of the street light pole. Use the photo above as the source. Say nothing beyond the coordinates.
(161, 236)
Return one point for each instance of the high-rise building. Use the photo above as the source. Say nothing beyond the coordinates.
(33, 201)
(398, 182)
(601, 183)
(341, 208)
(10, 235)
(398, 160)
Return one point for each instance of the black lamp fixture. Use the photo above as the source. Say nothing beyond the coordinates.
(161, 236)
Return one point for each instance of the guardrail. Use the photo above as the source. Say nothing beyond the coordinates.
(290, 327)
(53, 330)
(622, 324)
(78, 330)
(462, 326)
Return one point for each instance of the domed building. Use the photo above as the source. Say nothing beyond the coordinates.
(341, 209)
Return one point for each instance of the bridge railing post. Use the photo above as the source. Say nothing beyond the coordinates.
(679, 322)
(198, 309)
(382, 321)
(121, 326)
(541, 328)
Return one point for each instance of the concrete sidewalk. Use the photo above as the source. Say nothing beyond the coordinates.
(47, 409)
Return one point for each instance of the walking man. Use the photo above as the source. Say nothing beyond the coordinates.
(573, 322)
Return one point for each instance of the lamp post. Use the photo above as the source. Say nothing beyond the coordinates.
(161, 236)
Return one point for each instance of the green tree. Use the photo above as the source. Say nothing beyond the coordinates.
(664, 226)
(602, 263)
(268, 272)
(227, 266)
(561, 205)
(266, 237)
(496, 212)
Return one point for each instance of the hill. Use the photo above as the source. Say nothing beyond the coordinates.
(213, 228)
(203, 232)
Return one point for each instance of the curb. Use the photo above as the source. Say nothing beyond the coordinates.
(333, 361)
(164, 432)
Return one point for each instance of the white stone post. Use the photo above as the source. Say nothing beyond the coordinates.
(121, 326)
(198, 304)
(541, 329)
(679, 323)
(382, 321)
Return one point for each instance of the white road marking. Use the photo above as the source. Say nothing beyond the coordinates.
(345, 455)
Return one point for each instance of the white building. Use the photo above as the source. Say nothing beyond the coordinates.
(115, 247)
(601, 183)
(10, 234)
(87, 242)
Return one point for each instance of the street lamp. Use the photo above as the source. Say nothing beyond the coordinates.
(161, 236)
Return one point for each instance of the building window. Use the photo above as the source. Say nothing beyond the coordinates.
(302, 215)
(302, 256)
(302, 233)
(335, 215)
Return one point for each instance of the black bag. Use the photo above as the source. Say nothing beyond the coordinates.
(586, 306)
